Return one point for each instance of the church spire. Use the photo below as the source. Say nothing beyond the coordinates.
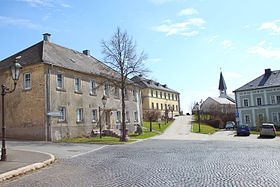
(222, 86)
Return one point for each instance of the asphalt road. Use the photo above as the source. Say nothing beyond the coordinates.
(166, 162)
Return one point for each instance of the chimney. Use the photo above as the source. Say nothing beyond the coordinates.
(86, 52)
(267, 72)
(47, 37)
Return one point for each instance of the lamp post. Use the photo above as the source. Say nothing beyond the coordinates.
(15, 70)
(104, 101)
(197, 106)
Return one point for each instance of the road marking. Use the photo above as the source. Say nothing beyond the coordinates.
(89, 151)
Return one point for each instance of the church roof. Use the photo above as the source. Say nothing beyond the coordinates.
(222, 83)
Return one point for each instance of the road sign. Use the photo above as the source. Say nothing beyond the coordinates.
(237, 114)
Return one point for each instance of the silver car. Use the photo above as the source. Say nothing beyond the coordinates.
(267, 129)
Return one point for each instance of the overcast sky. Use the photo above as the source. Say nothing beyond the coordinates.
(188, 42)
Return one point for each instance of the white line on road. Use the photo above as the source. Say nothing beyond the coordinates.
(89, 151)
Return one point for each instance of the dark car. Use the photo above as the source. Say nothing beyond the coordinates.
(243, 130)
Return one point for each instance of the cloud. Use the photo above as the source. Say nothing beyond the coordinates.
(262, 50)
(232, 75)
(65, 5)
(22, 23)
(212, 39)
(188, 12)
(226, 44)
(186, 28)
(160, 2)
(38, 3)
(271, 26)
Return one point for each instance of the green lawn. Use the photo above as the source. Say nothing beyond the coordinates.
(96, 140)
(146, 130)
(204, 128)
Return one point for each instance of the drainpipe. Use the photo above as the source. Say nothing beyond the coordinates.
(47, 107)
(179, 106)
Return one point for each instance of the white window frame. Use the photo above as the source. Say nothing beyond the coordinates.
(117, 92)
(278, 99)
(273, 100)
(118, 113)
(59, 83)
(274, 117)
(249, 118)
(135, 116)
(77, 84)
(79, 115)
(27, 84)
(244, 103)
(62, 110)
(106, 89)
(153, 106)
(259, 101)
(92, 87)
(127, 117)
(161, 106)
(94, 115)
(134, 95)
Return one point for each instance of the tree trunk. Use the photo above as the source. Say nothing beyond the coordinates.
(123, 135)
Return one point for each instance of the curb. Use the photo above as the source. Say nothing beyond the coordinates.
(25, 169)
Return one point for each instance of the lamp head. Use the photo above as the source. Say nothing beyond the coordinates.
(15, 69)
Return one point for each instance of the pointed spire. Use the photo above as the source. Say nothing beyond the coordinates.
(222, 86)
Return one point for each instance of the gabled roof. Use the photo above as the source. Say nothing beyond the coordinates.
(147, 83)
(49, 53)
(268, 79)
(221, 101)
(222, 83)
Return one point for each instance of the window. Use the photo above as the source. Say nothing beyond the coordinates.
(59, 81)
(247, 119)
(79, 115)
(156, 94)
(169, 96)
(165, 107)
(106, 89)
(136, 116)
(245, 102)
(127, 116)
(161, 106)
(176, 97)
(272, 99)
(117, 92)
(172, 96)
(164, 95)
(176, 107)
(274, 117)
(160, 94)
(135, 95)
(125, 94)
(153, 107)
(157, 106)
(118, 116)
(278, 99)
(27, 81)
(152, 93)
(94, 115)
(62, 111)
(77, 82)
(92, 87)
(259, 101)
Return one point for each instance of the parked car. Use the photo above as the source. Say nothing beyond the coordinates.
(243, 130)
(230, 125)
(267, 129)
(188, 114)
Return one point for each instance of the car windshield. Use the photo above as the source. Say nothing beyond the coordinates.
(243, 126)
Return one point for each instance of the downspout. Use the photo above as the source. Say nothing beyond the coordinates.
(47, 107)
(236, 106)
(179, 105)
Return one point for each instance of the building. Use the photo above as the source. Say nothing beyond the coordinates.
(159, 97)
(225, 103)
(258, 101)
(57, 80)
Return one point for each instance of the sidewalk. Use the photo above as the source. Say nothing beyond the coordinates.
(22, 161)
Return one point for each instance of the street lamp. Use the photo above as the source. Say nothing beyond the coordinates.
(15, 70)
(197, 107)
(104, 101)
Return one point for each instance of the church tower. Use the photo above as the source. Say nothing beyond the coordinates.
(222, 86)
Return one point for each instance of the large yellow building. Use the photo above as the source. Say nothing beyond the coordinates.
(156, 96)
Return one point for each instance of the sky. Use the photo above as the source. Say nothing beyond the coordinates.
(188, 42)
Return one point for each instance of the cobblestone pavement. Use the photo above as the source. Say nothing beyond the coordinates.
(165, 163)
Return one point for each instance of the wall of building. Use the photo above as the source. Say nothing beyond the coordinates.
(150, 99)
(72, 100)
(24, 109)
(267, 108)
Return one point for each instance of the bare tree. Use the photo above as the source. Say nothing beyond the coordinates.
(120, 54)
